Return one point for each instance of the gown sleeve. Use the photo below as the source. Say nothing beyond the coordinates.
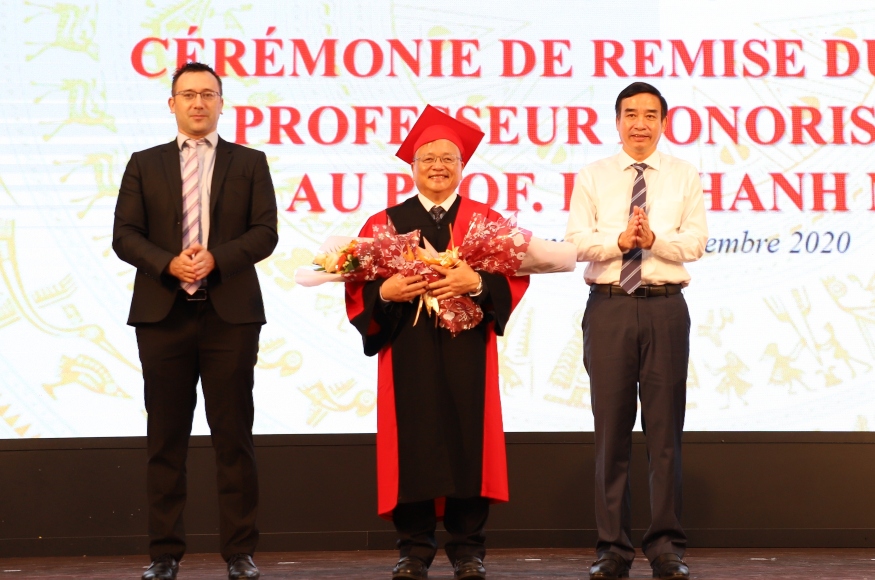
(376, 321)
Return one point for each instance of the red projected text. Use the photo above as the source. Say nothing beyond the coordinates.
(504, 86)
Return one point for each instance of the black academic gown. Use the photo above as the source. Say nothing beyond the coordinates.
(439, 430)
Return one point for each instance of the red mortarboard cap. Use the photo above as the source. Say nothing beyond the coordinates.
(433, 125)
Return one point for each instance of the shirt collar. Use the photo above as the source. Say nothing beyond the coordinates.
(428, 204)
(624, 160)
(212, 139)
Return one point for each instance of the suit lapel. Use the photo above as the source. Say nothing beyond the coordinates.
(173, 174)
(220, 169)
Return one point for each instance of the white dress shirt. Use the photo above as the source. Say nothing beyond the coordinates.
(206, 163)
(429, 204)
(599, 213)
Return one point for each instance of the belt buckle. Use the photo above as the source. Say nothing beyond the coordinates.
(642, 292)
(199, 295)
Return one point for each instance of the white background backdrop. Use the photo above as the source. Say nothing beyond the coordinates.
(779, 341)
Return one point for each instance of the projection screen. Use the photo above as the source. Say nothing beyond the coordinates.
(774, 106)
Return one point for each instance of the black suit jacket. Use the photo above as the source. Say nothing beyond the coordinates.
(147, 232)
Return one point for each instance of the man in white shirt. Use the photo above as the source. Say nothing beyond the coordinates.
(637, 217)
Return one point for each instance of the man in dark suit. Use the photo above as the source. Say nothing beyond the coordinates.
(194, 216)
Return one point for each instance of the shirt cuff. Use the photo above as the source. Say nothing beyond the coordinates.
(661, 248)
(612, 245)
(385, 305)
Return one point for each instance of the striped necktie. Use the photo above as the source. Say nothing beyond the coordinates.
(191, 202)
(630, 271)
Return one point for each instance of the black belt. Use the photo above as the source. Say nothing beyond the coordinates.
(640, 292)
(199, 295)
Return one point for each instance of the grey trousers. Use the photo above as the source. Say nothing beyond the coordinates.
(637, 348)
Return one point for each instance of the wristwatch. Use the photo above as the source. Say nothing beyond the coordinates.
(479, 288)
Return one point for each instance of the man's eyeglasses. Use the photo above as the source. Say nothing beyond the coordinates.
(206, 96)
(431, 159)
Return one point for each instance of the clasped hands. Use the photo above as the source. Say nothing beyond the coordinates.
(192, 264)
(456, 281)
(638, 233)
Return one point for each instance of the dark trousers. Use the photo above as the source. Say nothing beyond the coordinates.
(194, 342)
(637, 348)
(464, 519)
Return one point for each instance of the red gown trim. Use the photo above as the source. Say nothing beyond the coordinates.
(387, 437)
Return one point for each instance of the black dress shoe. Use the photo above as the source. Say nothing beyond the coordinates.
(470, 568)
(670, 567)
(163, 568)
(609, 566)
(242, 566)
(409, 568)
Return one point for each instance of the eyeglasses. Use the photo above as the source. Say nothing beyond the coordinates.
(206, 96)
(431, 159)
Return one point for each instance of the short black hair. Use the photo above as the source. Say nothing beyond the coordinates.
(194, 67)
(637, 88)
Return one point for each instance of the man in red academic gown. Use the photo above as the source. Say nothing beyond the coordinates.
(440, 442)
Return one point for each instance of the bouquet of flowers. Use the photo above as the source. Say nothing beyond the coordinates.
(497, 247)
(342, 261)
(346, 259)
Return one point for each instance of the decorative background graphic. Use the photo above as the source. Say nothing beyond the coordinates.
(777, 110)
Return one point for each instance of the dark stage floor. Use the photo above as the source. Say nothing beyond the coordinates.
(711, 564)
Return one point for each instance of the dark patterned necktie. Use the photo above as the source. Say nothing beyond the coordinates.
(437, 214)
(630, 272)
